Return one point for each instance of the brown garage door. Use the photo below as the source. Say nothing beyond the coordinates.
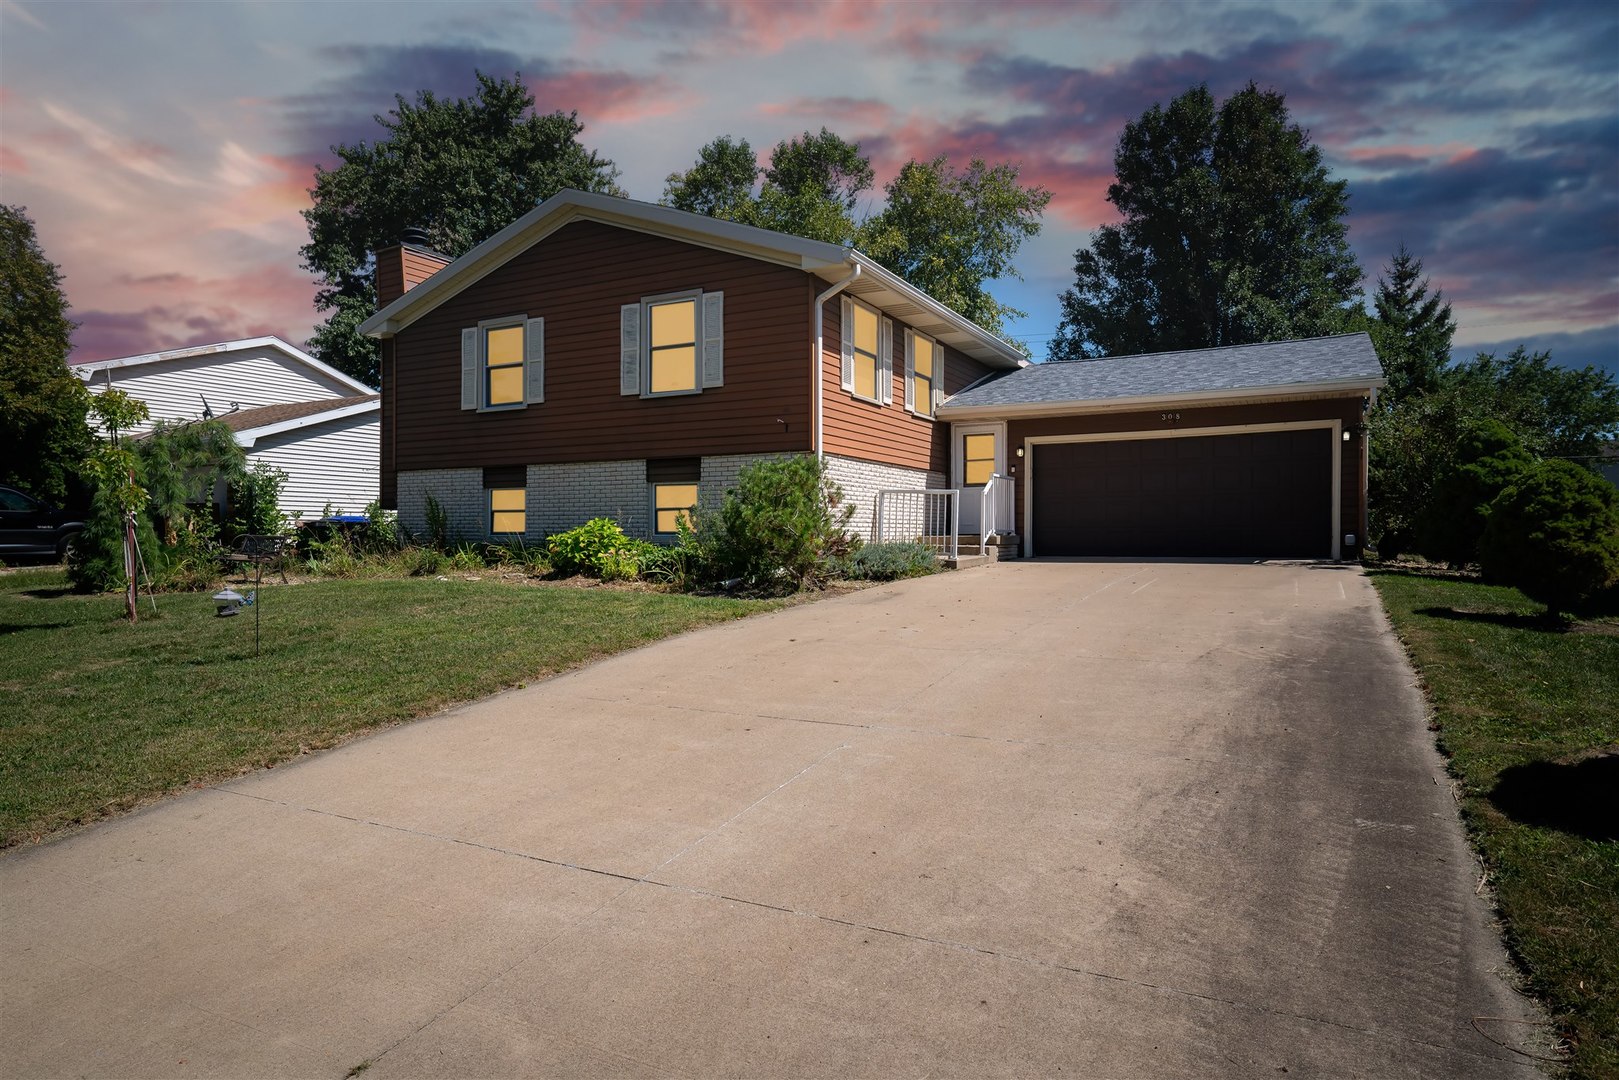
(1264, 494)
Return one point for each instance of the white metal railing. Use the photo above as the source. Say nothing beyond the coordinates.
(994, 509)
(931, 517)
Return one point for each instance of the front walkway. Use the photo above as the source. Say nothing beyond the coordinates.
(1096, 819)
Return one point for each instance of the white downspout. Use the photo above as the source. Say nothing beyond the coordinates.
(815, 367)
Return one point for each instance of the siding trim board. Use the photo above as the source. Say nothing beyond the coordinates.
(1032, 443)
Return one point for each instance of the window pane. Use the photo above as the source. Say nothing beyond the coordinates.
(924, 395)
(865, 376)
(979, 472)
(668, 520)
(865, 330)
(505, 385)
(674, 324)
(677, 496)
(978, 454)
(508, 499)
(504, 346)
(924, 357)
(674, 369)
(509, 522)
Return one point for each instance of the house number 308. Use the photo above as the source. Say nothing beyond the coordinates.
(1169, 417)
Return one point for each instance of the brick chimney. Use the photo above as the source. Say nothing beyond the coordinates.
(405, 265)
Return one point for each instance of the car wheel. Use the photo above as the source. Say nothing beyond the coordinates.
(68, 546)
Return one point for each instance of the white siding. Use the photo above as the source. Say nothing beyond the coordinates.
(174, 389)
(334, 463)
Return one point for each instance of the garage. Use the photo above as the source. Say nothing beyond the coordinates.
(1241, 451)
(1265, 494)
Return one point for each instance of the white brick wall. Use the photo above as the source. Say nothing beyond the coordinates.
(861, 480)
(562, 496)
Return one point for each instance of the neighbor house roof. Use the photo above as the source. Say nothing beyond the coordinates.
(830, 262)
(252, 424)
(1311, 366)
(88, 368)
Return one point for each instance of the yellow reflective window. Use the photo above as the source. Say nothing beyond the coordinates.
(503, 365)
(506, 385)
(674, 324)
(505, 346)
(978, 457)
(674, 502)
(672, 354)
(506, 510)
(674, 369)
(865, 376)
(865, 330)
(924, 357)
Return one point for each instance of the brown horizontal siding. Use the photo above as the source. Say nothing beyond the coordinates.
(886, 433)
(1352, 504)
(576, 279)
(420, 265)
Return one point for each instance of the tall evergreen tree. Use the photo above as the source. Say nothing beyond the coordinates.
(43, 432)
(462, 169)
(1412, 330)
(1233, 232)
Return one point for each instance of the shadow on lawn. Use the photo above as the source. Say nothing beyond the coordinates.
(1516, 620)
(1582, 798)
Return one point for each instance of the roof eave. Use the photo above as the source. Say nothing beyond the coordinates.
(248, 436)
(992, 349)
(1321, 389)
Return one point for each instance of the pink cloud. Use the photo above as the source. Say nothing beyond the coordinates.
(608, 96)
(866, 113)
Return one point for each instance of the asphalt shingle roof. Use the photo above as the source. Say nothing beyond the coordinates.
(265, 415)
(1170, 374)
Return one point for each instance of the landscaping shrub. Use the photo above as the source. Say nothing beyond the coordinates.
(467, 557)
(784, 525)
(888, 562)
(597, 548)
(96, 563)
(1555, 535)
(438, 524)
(1488, 459)
(255, 502)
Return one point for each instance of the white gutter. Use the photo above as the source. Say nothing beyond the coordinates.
(1030, 410)
(815, 366)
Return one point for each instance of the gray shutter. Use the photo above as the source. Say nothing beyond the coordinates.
(534, 361)
(885, 374)
(469, 368)
(629, 349)
(846, 333)
(910, 369)
(714, 339)
(938, 376)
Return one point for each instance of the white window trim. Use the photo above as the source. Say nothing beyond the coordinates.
(877, 375)
(1336, 427)
(933, 380)
(484, 326)
(647, 304)
(652, 499)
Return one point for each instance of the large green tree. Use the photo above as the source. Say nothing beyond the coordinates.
(1233, 232)
(947, 231)
(1411, 329)
(950, 232)
(462, 169)
(44, 436)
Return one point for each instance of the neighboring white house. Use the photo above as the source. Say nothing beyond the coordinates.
(286, 408)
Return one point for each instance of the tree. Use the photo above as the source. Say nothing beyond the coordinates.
(44, 435)
(1556, 411)
(823, 165)
(1233, 233)
(1555, 535)
(1488, 459)
(720, 184)
(1411, 330)
(949, 232)
(462, 169)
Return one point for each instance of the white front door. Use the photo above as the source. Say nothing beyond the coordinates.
(979, 453)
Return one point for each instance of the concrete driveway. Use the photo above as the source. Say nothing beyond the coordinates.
(1089, 819)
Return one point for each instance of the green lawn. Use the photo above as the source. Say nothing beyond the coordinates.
(1529, 716)
(99, 715)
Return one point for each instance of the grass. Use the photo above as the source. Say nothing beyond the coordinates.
(101, 716)
(1528, 715)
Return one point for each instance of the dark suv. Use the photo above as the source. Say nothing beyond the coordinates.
(31, 527)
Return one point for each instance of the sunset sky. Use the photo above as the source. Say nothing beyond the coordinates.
(164, 149)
